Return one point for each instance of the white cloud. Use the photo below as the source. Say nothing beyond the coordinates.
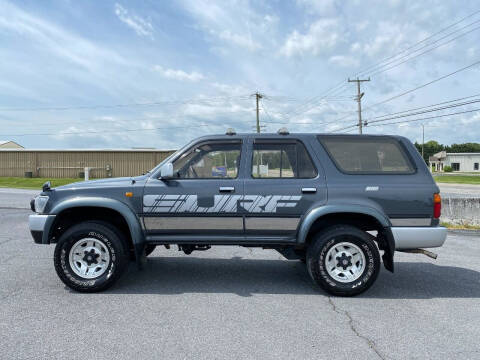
(317, 7)
(141, 26)
(389, 38)
(240, 40)
(321, 36)
(58, 41)
(236, 24)
(179, 74)
(342, 60)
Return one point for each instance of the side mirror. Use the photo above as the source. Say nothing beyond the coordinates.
(166, 171)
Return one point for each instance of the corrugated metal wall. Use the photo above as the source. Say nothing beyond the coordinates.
(68, 164)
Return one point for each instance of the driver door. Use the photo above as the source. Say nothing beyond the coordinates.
(203, 196)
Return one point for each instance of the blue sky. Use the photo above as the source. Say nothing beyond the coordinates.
(73, 73)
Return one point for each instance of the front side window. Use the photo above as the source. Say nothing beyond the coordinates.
(282, 160)
(209, 161)
(367, 155)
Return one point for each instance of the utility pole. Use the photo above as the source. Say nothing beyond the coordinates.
(258, 96)
(359, 101)
(423, 139)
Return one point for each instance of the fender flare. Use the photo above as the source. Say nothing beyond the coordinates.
(383, 220)
(128, 214)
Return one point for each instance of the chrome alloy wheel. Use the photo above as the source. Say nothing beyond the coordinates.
(345, 262)
(89, 258)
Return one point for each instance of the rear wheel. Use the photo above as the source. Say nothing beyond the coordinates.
(90, 256)
(343, 260)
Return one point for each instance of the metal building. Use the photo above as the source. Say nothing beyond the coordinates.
(72, 163)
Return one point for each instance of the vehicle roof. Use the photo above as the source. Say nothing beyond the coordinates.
(290, 135)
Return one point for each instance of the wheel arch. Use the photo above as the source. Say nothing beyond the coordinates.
(363, 217)
(98, 208)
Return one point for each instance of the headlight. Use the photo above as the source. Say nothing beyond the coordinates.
(40, 203)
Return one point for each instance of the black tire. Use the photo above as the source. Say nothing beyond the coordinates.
(319, 248)
(149, 249)
(111, 239)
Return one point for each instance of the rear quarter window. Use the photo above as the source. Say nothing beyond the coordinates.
(367, 154)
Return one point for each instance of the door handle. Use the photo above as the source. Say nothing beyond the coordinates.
(309, 190)
(226, 189)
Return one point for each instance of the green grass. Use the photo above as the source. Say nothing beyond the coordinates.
(33, 183)
(458, 179)
(460, 226)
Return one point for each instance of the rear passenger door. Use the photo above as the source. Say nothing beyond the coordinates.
(282, 182)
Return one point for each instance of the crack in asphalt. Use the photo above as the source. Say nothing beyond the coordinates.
(4, 241)
(369, 342)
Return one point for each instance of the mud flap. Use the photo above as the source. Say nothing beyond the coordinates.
(389, 250)
(140, 256)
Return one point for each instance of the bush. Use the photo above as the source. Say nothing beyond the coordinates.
(447, 169)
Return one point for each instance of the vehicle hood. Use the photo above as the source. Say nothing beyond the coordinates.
(113, 182)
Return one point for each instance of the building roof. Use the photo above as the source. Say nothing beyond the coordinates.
(85, 150)
(4, 142)
(463, 154)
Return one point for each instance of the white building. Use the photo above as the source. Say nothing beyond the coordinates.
(6, 144)
(463, 162)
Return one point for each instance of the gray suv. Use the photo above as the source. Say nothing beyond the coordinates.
(334, 202)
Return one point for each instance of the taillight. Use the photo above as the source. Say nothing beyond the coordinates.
(437, 206)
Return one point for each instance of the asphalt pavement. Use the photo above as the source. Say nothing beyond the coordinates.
(235, 303)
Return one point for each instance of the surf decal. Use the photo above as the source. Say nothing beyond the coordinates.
(220, 203)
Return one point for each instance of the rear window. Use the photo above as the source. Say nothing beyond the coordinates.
(367, 155)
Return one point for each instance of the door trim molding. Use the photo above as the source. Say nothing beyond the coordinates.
(272, 223)
(193, 223)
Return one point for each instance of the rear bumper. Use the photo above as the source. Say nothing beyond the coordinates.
(39, 227)
(418, 237)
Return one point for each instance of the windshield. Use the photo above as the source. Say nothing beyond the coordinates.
(171, 157)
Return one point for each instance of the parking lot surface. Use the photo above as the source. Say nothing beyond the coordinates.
(236, 303)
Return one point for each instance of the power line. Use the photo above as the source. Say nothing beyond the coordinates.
(422, 53)
(423, 107)
(423, 85)
(367, 122)
(167, 102)
(421, 41)
(110, 131)
(342, 85)
(427, 118)
(378, 65)
(423, 112)
(395, 57)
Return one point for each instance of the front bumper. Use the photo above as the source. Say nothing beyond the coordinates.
(39, 227)
(418, 237)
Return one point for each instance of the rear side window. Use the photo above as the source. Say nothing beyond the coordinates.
(367, 155)
(282, 160)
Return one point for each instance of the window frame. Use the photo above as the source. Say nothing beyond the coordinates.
(456, 163)
(216, 142)
(403, 150)
(276, 141)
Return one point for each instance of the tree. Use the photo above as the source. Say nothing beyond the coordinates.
(430, 147)
(464, 148)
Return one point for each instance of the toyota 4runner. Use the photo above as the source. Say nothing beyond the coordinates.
(332, 201)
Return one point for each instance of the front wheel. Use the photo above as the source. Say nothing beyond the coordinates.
(343, 260)
(90, 256)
